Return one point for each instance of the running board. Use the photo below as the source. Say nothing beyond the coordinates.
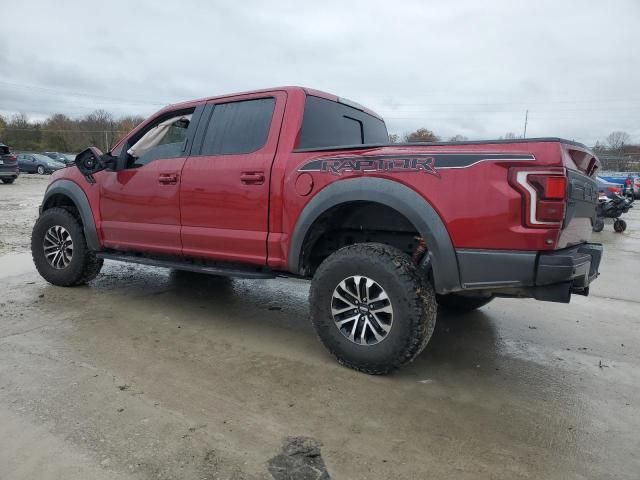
(219, 269)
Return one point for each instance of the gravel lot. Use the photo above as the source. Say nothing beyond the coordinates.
(18, 210)
(149, 374)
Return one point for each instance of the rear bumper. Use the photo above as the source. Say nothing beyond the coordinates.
(9, 172)
(551, 276)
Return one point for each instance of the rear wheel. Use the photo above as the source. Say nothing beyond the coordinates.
(371, 308)
(40, 170)
(619, 225)
(598, 225)
(59, 249)
(8, 180)
(462, 303)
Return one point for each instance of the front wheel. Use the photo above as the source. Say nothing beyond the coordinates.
(371, 307)
(462, 303)
(8, 180)
(619, 225)
(59, 249)
(598, 225)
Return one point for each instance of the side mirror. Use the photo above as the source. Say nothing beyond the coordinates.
(92, 161)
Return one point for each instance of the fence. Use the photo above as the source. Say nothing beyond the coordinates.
(620, 163)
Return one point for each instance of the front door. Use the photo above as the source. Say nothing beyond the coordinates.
(224, 193)
(140, 205)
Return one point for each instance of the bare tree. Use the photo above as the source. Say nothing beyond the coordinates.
(458, 138)
(617, 140)
(394, 138)
(101, 127)
(20, 131)
(3, 125)
(599, 147)
(509, 136)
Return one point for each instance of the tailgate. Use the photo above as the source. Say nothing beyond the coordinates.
(582, 197)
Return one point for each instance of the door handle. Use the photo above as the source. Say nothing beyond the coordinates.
(168, 178)
(252, 178)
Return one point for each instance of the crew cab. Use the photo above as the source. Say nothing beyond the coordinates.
(297, 182)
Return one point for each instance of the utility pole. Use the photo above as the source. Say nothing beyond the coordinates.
(526, 119)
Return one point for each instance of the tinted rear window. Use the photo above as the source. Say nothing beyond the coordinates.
(238, 127)
(329, 124)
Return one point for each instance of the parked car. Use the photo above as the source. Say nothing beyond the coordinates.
(605, 187)
(8, 165)
(301, 183)
(629, 182)
(37, 163)
(60, 157)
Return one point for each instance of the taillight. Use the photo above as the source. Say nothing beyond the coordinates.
(614, 189)
(549, 187)
(544, 193)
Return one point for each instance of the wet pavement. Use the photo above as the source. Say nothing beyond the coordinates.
(148, 373)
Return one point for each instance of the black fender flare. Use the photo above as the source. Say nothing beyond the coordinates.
(72, 191)
(394, 195)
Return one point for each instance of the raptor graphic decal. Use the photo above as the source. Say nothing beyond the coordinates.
(425, 162)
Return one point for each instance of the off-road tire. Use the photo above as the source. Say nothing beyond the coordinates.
(40, 170)
(598, 225)
(412, 298)
(8, 180)
(84, 265)
(461, 303)
(619, 226)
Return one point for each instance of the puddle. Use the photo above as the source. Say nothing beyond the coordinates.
(13, 264)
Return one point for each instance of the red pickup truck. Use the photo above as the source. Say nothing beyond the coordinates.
(297, 182)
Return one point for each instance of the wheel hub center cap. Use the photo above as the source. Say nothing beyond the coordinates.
(363, 309)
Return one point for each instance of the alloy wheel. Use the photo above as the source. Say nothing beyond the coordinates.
(58, 247)
(362, 310)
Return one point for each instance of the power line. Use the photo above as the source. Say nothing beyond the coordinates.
(388, 98)
(46, 130)
(83, 94)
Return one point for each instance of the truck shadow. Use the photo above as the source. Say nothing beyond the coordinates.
(459, 340)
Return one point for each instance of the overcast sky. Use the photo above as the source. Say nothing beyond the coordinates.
(455, 67)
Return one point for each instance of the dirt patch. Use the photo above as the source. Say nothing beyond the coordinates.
(300, 459)
(19, 204)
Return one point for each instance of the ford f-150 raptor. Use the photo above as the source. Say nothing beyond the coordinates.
(296, 182)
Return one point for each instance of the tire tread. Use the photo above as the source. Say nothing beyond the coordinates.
(91, 264)
(422, 305)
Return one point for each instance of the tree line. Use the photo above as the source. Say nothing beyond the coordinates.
(100, 128)
(61, 133)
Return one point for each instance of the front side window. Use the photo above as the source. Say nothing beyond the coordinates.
(165, 139)
(238, 127)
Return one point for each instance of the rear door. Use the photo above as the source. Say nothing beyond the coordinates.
(224, 193)
(27, 163)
